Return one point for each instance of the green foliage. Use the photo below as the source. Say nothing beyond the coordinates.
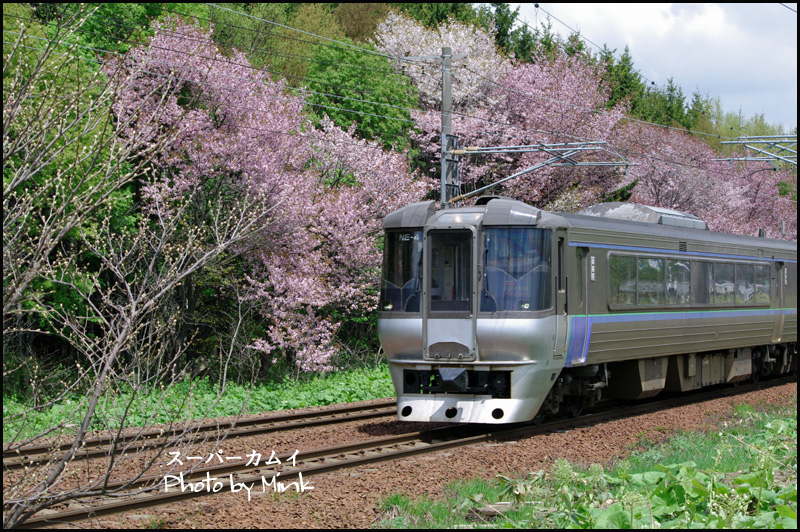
(359, 20)
(621, 194)
(504, 20)
(198, 399)
(625, 83)
(344, 80)
(520, 489)
(116, 27)
(357, 340)
(282, 52)
(522, 41)
(434, 14)
(757, 489)
(665, 106)
(61, 125)
(788, 189)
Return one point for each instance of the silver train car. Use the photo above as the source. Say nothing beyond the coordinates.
(502, 313)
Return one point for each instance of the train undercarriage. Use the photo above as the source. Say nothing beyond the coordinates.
(448, 393)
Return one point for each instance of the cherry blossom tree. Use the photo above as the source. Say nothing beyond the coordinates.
(400, 36)
(544, 103)
(669, 169)
(244, 135)
(752, 201)
(71, 151)
(677, 170)
(331, 265)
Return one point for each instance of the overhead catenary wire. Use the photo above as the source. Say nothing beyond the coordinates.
(262, 49)
(345, 46)
(516, 127)
(184, 36)
(582, 138)
(379, 103)
(211, 41)
(363, 50)
(238, 78)
(340, 43)
(535, 96)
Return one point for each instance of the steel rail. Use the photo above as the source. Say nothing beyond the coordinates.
(323, 460)
(96, 447)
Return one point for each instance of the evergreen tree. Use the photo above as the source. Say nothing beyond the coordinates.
(624, 81)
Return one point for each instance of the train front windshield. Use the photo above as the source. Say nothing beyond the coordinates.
(402, 275)
(516, 267)
(451, 271)
(517, 275)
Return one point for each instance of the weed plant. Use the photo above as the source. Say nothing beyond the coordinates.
(743, 475)
(200, 399)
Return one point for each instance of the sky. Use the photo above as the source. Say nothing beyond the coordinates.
(745, 54)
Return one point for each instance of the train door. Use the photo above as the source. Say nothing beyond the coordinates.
(780, 280)
(578, 341)
(589, 276)
(561, 299)
(450, 309)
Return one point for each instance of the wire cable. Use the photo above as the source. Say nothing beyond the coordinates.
(342, 44)
(235, 89)
(516, 127)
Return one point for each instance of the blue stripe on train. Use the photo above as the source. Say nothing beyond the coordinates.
(580, 329)
(687, 254)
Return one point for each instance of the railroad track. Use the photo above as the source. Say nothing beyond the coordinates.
(152, 491)
(15, 458)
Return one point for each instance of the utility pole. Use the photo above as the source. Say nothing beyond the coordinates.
(447, 117)
(561, 154)
(449, 173)
(450, 180)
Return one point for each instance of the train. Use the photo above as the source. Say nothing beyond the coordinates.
(501, 312)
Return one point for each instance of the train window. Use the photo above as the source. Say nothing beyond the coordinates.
(745, 284)
(623, 280)
(650, 286)
(703, 282)
(724, 283)
(679, 282)
(517, 269)
(762, 284)
(402, 258)
(640, 281)
(451, 271)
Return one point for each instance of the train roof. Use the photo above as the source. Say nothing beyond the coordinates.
(644, 213)
(618, 222)
(633, 233)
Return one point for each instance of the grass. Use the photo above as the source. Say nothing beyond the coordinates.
(742, 475)
(193, 400)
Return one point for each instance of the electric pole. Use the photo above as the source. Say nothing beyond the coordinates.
(447, 117)
(450, 180)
